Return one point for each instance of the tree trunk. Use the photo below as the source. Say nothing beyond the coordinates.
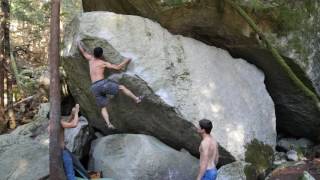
(11, 115)
(6, 41)
(56, 166)
(1, 85)
(16, 72)
(3, 122)
(2, 71)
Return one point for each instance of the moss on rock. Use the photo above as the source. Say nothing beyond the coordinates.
(260, 157)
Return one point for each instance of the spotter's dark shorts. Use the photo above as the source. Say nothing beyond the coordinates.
(102, 88)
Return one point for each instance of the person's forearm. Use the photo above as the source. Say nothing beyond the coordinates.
(75, 119)
(121, 65)
(84, 53)
(81, 48)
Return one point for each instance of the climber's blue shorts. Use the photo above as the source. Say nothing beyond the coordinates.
(210, 174)
(102, 88)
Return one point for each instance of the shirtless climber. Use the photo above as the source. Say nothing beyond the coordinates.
(101, 87)
(209, 154)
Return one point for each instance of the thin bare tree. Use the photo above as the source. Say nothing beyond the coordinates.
(56, 166)
(7, 51)
(3, 123)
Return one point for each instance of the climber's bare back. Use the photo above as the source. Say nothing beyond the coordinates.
(97, 68)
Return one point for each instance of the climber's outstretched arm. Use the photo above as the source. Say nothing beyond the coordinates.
(85, 54)
(118, 67)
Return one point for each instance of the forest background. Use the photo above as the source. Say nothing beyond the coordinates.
(24, 75)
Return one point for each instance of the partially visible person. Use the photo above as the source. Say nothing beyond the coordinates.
(70, 162)
(209, 153)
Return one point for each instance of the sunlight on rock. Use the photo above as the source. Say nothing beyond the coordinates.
(68, 47)
(220, 88)
(237, 136)
(215, 108)
(22, 165)
(45, 141)
(164, 94)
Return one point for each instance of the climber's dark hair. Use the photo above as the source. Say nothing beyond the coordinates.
(97, 52)
(206, 125)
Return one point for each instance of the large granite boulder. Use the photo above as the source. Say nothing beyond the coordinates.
(291, 26)
(24, 152)
(183, 79)
(131, 157)
(23, 158)
(38, 128)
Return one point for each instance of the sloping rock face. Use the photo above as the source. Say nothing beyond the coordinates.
(136, 156)
(291, 26)
(23, 158)
(37, 129)
(183, 79)
(24, 152)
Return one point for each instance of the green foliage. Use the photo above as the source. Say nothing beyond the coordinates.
(301, 152)
(260, 156)
(175, 2)
(30, 79)
(33, 12)
(257, 5)
(290, 18)
(70, 8)
(30, 27)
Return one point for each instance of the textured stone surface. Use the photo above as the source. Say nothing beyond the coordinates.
(307, 176)
(24, 153)
(132, 157)
(291, 143)
(295, 170)
(22, 158)
(37, 129)
(183, 79)
(279, 158)
(292, 155)
(291, 26)
(233, 171)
